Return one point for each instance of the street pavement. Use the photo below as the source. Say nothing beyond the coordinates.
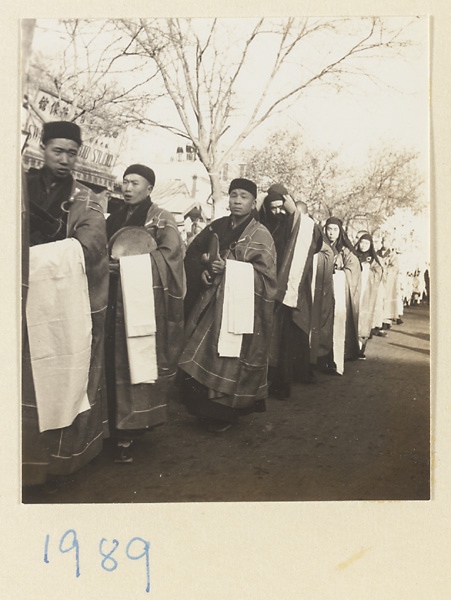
(363, 436)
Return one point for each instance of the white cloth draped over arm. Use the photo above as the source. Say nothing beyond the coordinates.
(339, 332)
(300, 254)
(59, 331)
(364, 280)
(139, 314)
(238, 307)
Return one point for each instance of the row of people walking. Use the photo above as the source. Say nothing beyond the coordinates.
(113, 310)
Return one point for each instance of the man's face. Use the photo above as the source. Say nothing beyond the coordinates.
(241, 202)
(276, 207)
(332, 232)
(135, 188)
(60, 155)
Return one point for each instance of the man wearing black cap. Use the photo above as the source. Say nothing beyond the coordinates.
(67, 235)
(297, 239)
(221, 383)
(136, 407)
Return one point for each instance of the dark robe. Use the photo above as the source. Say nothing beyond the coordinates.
(66, 450)
(223, 387)
(135, 408)
(289, 354)
(345, 259)
(321, 337)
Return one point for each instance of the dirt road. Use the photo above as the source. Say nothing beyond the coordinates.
(363, 436)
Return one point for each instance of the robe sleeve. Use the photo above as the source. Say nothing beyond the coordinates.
(352, 269)
(262, 255)
(87, 225)
(168, 256)
(194, 268)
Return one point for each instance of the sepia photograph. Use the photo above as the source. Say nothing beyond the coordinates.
(225, 260)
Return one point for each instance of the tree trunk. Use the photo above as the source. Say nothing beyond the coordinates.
(216, 193)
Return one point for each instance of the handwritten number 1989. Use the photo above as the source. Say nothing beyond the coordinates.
(136, 548)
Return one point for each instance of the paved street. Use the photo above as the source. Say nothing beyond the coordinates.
(363, 436)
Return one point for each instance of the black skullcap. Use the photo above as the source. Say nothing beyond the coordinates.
(278, 188)
(334, 221)
(272, 197)
(366, 236)
(243, 184)
(61, 129)
(142, 170)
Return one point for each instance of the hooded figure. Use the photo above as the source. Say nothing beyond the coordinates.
(297, 239)
(347, 282)
(389, 260)
(371, 281)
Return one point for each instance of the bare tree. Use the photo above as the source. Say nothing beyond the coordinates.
(204, 66)
(390, 180)
(310, 174)
(84, 76)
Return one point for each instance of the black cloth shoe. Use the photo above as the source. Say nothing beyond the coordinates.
(124, 454)
(379, 333)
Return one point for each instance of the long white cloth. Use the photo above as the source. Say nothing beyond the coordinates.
(238, 307)
(313, 286)
(300, 253)
(364, 279)
(139, 315)
(59, 331)
(339, 333)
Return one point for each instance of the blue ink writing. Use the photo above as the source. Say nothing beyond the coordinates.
(136, 548)
(108, 556)
(46, 549)
(144, 553)
(72, 547)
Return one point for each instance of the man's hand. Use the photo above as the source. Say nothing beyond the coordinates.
(289, 204)
(114, 265)
(206, 278)
(218, 266)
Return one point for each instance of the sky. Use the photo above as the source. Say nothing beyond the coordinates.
(393, 112)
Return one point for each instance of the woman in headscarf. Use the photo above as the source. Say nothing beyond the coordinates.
(371, 280)
(347, 281)
(231, 285)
